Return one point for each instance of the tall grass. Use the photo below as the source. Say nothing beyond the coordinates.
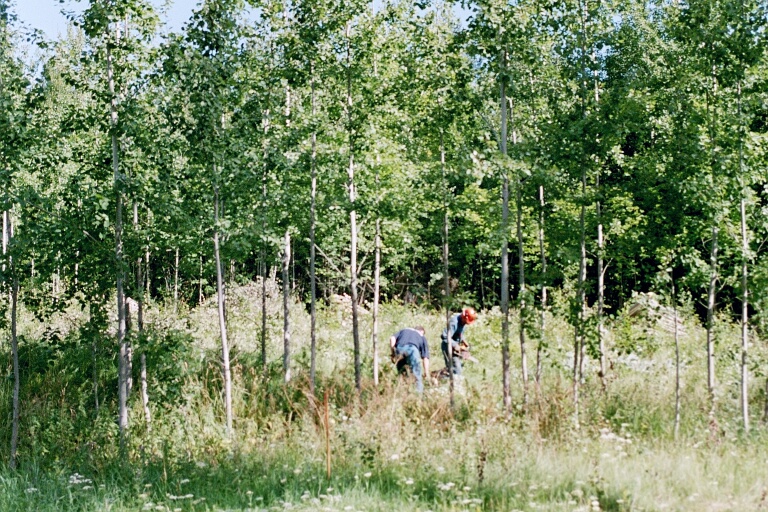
(391, 449)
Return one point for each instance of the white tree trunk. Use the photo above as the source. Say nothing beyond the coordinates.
(352, 217)
(446, 273)
(505, 363)
(312, 255)
(543, 317)
(225, 369)
(122, 372)
(744, 283)
(286, 311)
(16, 375)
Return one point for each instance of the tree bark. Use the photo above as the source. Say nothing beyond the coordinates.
(176, 283)
(600, 287)
(140, 320)
(312, 254)
(145, 393)
(521, 277)
(263, 337)
(543, 317)
(446, 274)
(225, 369)
(713, 259)
(286, 311)
(16, 374)
(744, 279)
(352, 217)
(122, 372)
(377, 282)
(677, 363)
(505, 363)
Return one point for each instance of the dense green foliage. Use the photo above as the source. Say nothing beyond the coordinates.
(642, 95)
(644, 121)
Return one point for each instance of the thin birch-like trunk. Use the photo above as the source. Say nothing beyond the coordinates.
(744, 280)
(5, 236)
(446, 276)
(521, 277)
(263, 333)
(600, 263)
(505, 363)
(600, 288)
(263, 336)
(16, 374)
(225, 369)
(578, 342)
(176, 283)
(543, 317)
(145, 393)
(286, 311)
(377, 282)
(140, 322)
(677, 363)
(352, 216)
(122, 372)
(312, 253)
(713, 262)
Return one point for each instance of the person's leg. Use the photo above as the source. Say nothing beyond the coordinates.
(444, 347)
(413, 358)
(457, 365)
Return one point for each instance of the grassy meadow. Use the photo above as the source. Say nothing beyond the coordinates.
(390, 449)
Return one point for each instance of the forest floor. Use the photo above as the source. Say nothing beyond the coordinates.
(386, 448)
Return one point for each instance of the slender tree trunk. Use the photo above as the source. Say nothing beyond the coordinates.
(377, 282)
(16, 375)
(677, 363)
(543, 317)
(147, 278)
(122, 372)
(600, 287)
(200, 283)
(744, 279)
(600, 259)
(446, 274)
(5, 236)
(145, 393)
(263, 337)
(507, 397)
(286, 312)
(176, 283)
(713, 261)
(521, 278)
(225, 370)
(140, 321)
(578, 348)
(352, 216)
(312, 250)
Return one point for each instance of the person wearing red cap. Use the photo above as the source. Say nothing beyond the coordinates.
(455, 334)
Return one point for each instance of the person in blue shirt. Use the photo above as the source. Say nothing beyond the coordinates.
(411, 344)
(455, 333)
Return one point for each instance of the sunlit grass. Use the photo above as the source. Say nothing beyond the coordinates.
(390, 448)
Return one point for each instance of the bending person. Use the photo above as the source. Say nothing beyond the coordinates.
(409, 346)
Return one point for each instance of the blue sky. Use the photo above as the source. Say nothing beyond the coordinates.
(47, 16)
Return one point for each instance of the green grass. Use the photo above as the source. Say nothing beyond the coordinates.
(390, 448)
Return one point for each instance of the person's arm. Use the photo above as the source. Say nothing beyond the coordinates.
(426, 369)
(392, 342)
